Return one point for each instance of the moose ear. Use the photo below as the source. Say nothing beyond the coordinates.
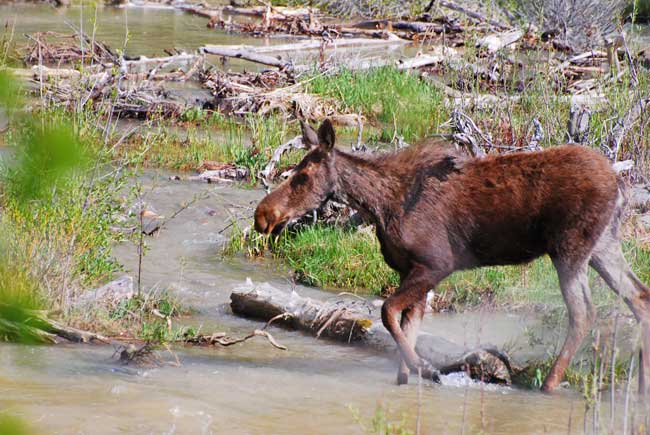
(309, 135)
(326, 137)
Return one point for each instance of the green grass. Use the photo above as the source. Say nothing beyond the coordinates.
(248, 144)
(335, 257)
(400, 102)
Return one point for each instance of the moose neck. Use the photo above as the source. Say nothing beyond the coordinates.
(364, 186)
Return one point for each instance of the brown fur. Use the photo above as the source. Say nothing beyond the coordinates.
(436, 212)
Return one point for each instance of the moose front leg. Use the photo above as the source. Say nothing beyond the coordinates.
(411, 293)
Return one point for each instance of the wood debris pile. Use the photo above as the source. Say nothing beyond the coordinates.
(59, 48)
(263, 93)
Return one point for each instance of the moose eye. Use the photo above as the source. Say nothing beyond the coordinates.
(299, 179)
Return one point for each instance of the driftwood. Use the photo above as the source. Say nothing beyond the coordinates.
(276, 13)
(246, 53)
(75, 335)
(411, 26)
(312, 44)
(295, 143)
(222, 339)
(355, 321)
(578, 124)
(468, 135)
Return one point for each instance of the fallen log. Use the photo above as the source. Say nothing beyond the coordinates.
(358, 321)
(312, 44)
(409, 26)
(246, 53)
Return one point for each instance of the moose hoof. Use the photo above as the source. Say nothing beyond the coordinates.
(428, 372)
(402, 378)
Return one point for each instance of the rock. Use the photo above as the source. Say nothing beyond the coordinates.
(151, 222)
(109, 295)
(639, 197)
(487, 365)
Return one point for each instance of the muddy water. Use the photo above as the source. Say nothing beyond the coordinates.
(314, 387)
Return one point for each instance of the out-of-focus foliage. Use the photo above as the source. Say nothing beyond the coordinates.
(13, 426)
(55, 216)
(22, 318)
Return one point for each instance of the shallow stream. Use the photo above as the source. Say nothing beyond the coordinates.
(315, 387)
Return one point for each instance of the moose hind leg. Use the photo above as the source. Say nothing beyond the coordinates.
(577, 296)
(412, 290)
(410, 324)
(608, 260)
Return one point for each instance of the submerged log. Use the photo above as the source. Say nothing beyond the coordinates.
(358, 321)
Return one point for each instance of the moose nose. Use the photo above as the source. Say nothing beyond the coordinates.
(261, 222)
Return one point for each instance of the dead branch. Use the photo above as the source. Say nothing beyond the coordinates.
(467, 134)
(246, 53)
(295, 143)
(578, 124)
(222, 339)
(612, 144)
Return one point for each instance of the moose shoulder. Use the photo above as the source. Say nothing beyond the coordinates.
(436, 212)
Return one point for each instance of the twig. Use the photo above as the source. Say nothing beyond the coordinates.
(283, 316)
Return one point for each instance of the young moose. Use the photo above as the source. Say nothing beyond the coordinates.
(436, 212)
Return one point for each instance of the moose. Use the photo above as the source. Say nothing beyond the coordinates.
(436, 211)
